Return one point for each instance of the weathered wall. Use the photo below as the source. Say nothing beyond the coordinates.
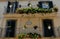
(35, 21)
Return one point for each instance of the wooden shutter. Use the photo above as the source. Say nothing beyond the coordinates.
(8, 8)
(40, 4)
(16, 6)
(50, 4)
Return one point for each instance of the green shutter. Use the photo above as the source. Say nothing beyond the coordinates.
(40, 4)
(50, 4)
(8, 8)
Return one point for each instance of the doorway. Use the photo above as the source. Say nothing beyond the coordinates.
(48, 28)
(10, 28)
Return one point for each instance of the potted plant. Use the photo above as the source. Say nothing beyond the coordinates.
(19, 11)
(49, 10)
(21, 36)
(35, 36)
(55, 9)
(29, 4)
(31, 35)
(35, 27)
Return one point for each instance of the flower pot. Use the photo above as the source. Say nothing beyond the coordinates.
(39, 38)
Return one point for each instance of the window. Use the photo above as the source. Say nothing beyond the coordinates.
(10, 28)
(12, 6)
(48, 28)
(45, 4)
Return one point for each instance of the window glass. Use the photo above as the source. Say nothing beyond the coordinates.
(45, 5)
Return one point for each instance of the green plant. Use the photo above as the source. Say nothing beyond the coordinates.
(33, 35)
(55, 9)
(49, 10)
(21, 36)
(19, 11)
(34, 10)
(30, 35)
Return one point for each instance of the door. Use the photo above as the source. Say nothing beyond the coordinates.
(48, 28)
(10, 28)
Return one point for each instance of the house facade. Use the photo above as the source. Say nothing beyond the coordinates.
(13, 22)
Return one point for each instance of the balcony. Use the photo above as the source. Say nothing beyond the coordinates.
(33, 12)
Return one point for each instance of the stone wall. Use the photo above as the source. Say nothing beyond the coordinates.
(31, 38)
